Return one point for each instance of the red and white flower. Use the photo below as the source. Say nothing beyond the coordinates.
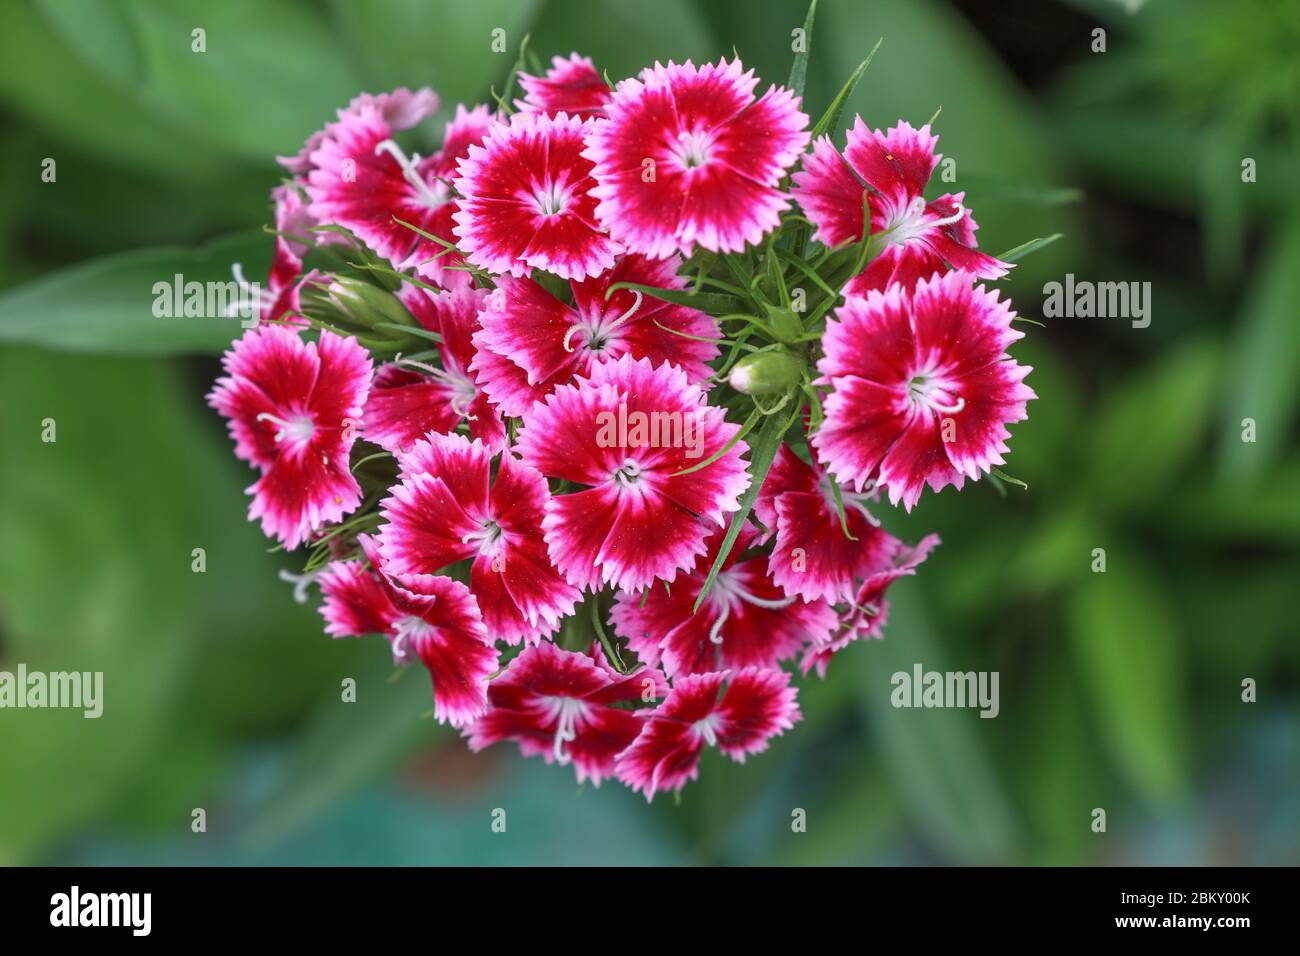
(401, 109)
(688, 156)
(814, 555)
(525, 200)
(890, 172)
(410, 399)
(545, 342)
(448, 508)
(626, 432)
(571, 86)
(922, 388)
(362, 180)
(434, 619)
(745, 620)
(294, 408)
(869, 611)
(560, 704)
(757, 705)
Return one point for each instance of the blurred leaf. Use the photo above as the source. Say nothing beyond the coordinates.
(626, 36)
(106, 305)
(1150, 426)
(1267, 512)
(96, 532)
(1125, 638)
(936, 757)
(1264, 382)
(347, 744)
(446, 45)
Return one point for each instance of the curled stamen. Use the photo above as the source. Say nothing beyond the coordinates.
(300, 583)
(715, 632)
(410, 171)
(948, 409)
(949, 220)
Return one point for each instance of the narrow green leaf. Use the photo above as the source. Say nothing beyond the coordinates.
(710, 302)
(831, 118)
(761, 455)
(1025, 248)
(799, 69)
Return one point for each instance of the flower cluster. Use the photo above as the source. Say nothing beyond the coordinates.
(595, 409)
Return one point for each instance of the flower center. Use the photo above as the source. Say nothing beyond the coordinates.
(432, 195)
(551, 199)
(629, 475)
(297, 430)
(567, 712)
(693, 149)
(486, 538)
(729, 590)
(927, 390)
(406, 631)
(707, 728)
(909, 222)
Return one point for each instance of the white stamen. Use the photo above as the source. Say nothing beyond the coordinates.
(300, 583)
(300, 429)
(411, 172)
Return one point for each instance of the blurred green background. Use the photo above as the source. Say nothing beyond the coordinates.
(1119, 690)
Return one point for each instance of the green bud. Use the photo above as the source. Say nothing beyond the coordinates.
(365, 306)
(785, 325)
(767, 373)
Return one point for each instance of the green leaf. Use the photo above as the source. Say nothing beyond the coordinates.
(936, 756)
(713, 303)
(106, 305)
(1264, 380)
(1125, 638)
(761, 455)
(799, 69)
(830, 120)
(1025, 248)
(1150, 427)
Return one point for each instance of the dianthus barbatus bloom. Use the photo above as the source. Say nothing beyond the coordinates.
(571, 86)
(812, 555)
(757, 705)
(525, 200)
(870, 610)
(922, 388)
(560, 704)
(363, 181)
(409, 400)
(745, 618)
(446, 508)
(531, 341)
(625, 432)
(436, 619)
(401, 109)
(688, 156)
(294, 408)
(923, 238)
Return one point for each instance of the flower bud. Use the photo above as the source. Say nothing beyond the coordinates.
(365, 306)
(767, 373)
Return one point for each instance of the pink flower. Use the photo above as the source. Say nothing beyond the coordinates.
(409, 400)
(745, 620)
(546, 342)
(570, 86)
(870, 610)
(812, 557)
(890, 171)
(400, 109)
(688, 156)
(922, 388)
(293, 409)
(560, 704)
(363, 181)
(525, 200)
(756, 706)
(447, 509)
(435, 618)
(625, 432)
